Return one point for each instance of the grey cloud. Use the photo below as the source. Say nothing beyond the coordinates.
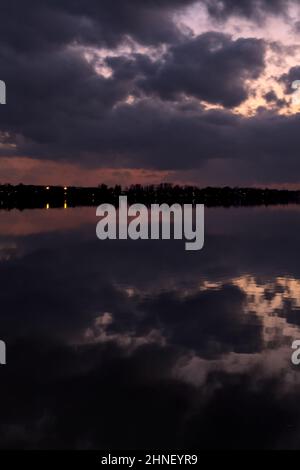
(43, 25)
(210, 67)
(59, 108)
(254, 9)
(272, 98)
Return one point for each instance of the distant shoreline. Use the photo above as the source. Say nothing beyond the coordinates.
(37, 196)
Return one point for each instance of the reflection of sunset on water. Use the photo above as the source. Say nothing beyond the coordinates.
(145, 318)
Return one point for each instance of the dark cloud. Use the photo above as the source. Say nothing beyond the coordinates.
(60, 83)
(43, 25)
(272, 98)
(191, 321)
(60, 108)
(210, 67)
(150, 133)
(253, 9)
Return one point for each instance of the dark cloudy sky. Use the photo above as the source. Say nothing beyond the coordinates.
(129, 91)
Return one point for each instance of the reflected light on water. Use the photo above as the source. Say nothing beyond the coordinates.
(199, 343)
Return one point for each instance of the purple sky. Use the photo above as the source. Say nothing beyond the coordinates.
(143, 92)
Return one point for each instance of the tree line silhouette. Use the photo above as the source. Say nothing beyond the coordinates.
(31, 196)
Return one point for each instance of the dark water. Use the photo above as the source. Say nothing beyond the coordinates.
(131, 344)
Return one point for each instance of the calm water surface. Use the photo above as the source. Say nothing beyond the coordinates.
(140, 344)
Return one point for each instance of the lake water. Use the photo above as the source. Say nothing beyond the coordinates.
(141, 344)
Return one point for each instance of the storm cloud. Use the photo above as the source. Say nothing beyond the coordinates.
(125, 85)
(210, 67)
(255, 9)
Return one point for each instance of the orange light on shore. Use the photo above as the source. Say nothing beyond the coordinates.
(47, 187)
